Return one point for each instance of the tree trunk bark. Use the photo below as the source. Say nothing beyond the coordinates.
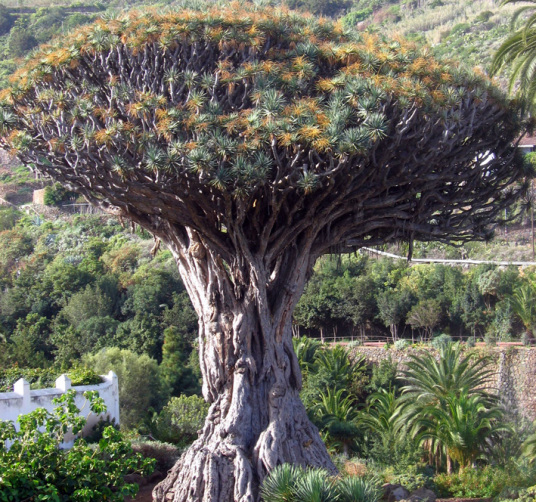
(251, 377)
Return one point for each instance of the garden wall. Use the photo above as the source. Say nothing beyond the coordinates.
(514, 376)
(23, 400)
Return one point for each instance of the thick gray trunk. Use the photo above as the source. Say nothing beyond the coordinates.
(252, 379)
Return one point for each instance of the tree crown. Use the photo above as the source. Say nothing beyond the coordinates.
(243, 119)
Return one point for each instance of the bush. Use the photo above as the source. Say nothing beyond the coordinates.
(36, 468)
(180, 420)
(45, 378)
(384, 376)
(8, 217)
(414, 478)
(292, 483)
(54, 195)
(441, 340)
(165, 454)
(401, 344)
(486, 482)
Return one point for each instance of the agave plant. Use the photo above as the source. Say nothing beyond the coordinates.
(291, 483)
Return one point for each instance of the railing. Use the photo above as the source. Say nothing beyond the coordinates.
(449, 262)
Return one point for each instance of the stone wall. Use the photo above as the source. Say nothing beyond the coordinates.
(514, 375)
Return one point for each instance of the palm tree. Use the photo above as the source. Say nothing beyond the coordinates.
(524, 306)
(337, 416)
(382, 414)
(446, 405)
(529, 447)
(429, 380)
(461, 428)
(519, 52)
(306, 350)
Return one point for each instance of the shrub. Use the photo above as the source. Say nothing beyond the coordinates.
(8, 217)
(44, 378)
(291, 483)
(180, 420)
(384, 376)
(165, 454)
(36, 468)
(54, 195)
(401, 344)
(488, 481)
(441, 340)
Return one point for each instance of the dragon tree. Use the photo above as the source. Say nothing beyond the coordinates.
(251, 142)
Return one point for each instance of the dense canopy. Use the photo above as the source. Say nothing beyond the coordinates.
(251, 115)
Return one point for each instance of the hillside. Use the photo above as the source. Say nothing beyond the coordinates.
(467, 31)
(458, 29)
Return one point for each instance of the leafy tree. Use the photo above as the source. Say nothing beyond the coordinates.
(30, 342)
(6, 20)
(20, 41)
(289, 140)
(85, 304)
(393, 307)
(138, 377)
(426, 314)
(175, 371)
(141, 334)
(36, 467)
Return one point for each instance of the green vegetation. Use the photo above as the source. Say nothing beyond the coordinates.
(34, 467)
(355, 296)
(290, 483)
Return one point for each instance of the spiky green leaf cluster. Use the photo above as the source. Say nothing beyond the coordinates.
(207, 94)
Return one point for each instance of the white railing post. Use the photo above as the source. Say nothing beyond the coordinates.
(63, 383)
(22, 388)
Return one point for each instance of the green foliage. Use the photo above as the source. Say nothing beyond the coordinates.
(20, 42)
(165, 454)
(8, 217)
(57, 194)
(485, 482)
(336, 417)
(333, 369)
(517, 52)
(401, 344)
(180, 419)
(440, 340)
(291, 483)
(445, 404)
(35, 467)
(175, 371)
(139, 384)
(384, 376)
(39, 378)
(356, 16)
